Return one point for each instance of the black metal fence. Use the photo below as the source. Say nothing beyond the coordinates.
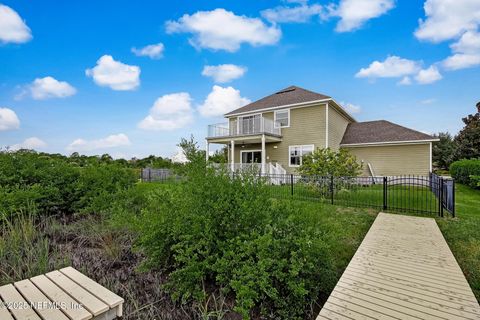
(158, 175)
(416, 194)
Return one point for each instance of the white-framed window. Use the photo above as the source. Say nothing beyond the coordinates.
(282, 118)
(296, 153)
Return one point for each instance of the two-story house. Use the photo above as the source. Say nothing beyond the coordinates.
(277, 131)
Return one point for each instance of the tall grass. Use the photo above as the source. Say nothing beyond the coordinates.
(24, 249)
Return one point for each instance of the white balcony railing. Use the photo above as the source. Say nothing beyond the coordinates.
(243, 126)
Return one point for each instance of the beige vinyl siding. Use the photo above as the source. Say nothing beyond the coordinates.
(337, 124)
(307, 127)
(413, 159)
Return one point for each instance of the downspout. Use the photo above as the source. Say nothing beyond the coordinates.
(326, 125)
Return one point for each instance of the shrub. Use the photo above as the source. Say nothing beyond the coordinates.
(462, 171)
(214, 230)
(327, 162)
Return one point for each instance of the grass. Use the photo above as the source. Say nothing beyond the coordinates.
(416, 199)
(463, 234)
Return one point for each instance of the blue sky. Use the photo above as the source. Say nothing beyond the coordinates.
(78, 75)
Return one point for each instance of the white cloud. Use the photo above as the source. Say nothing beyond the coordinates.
(12, 28)
(301, 13)
(32, 143)
(153, 51)
(46, 88)
(406, 81)
(169, 112)
(222, 100)
(429, 75)
(8, 120)
(428, 101)
(350, 107)
(461, 61)
(466, 52)
(448, 19)
(223, 30)
(224, 72)
(391, 67)
(112, 141)
(114, 74)
(354, 13)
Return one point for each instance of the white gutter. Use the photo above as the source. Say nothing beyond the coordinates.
(366, 144)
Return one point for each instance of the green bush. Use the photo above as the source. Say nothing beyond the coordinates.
(463, 170)
(55, 185)
(215, 231)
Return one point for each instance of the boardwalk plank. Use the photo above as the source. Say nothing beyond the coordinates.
(4, 313)
(94, 288)
(89, 301)
(42, 305)
(56, 294)
(18, 307)
(403, 269)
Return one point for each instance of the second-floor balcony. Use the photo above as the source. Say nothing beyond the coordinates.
(243, 127)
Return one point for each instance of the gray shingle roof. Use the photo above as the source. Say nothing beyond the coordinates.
(380, 131)
(290, 95)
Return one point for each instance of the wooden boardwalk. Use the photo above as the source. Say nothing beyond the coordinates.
(403, 269)
(59, 295)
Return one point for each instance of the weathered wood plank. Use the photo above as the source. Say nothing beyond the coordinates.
(4, 313)
(403, 269)
(17, 305)
(89, 301)
(39, 302)
(56, 294)
(94, 288)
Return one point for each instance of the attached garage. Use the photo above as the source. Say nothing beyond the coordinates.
(388, 149)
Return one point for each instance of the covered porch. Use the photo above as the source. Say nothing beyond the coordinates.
(248, 152)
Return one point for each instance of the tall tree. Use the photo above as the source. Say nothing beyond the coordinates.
(468, 139)
(443, 151)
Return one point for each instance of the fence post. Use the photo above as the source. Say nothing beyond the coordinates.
(331, 188)
(291, 184)
(385, 204)
(149, 175)
(440, 197)
(453, 198)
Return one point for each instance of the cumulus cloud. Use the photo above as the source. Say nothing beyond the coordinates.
(355, 13)
(406, 81)
(12, 28)
(112, 141)
(222, 100)
(114, 74)
(224, 72)
(169, 112)
(350, 107)
(429, 75)
(8, 119)
(47, 88)
(448, 19)
(220, 29)
(32, 143)
(153, 51)
(300, 13)
(391, 67)
(466, 52)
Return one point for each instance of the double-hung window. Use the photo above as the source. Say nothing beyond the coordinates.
(296, 154)
(282, 118)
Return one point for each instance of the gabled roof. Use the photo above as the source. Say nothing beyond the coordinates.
(287, 96)
(381, 131)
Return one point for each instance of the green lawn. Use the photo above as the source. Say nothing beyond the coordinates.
(463, 234)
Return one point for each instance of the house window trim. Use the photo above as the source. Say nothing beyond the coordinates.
(275, 118)
(249, 150)
(301, 153)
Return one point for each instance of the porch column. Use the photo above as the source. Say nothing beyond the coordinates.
(264, 156)
(207, 151)
(232, 162)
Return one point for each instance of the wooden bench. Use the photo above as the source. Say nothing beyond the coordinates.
(64, 294)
